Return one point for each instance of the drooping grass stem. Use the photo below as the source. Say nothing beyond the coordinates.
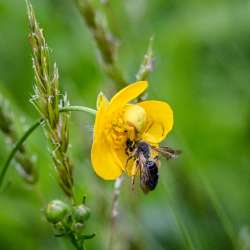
(31, 130)
(25, 165)
(17, 147)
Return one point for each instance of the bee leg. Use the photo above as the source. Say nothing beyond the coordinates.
(133, 174)
(129, 158)
(133, 183)
(132, 156)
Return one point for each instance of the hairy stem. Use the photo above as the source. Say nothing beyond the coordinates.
(115, 213)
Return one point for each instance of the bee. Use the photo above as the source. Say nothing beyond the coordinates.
(149, 175)
(147, 162)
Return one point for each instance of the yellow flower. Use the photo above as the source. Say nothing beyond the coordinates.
(118, 122)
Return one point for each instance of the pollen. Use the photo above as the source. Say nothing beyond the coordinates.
(135, 116)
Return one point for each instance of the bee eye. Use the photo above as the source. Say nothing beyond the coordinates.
(125, 131)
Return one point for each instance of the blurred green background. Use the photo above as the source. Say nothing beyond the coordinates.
(202, 52)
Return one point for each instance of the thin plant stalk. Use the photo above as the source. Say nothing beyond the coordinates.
(25, 165)
(17, 148)
(146, 67)
(78, 108)
(115, 209)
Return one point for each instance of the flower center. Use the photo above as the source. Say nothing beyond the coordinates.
(115, 130)
(126, 124)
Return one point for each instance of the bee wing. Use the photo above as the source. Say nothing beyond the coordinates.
(144, 175)
(167, 152)
(141, 163)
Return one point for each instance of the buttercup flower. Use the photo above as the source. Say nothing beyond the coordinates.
(120, 123)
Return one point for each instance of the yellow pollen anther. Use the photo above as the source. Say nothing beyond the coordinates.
(114, 131)
(135, 116)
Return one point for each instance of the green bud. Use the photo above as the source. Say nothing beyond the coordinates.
(81, 213)
(77, 227)
(59, 227)
(56, 211)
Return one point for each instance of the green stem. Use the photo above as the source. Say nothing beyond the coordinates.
(33, 128)
(78, 108)
(17, 147)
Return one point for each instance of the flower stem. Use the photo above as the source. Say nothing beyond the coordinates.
(33, 128)
(78, 108)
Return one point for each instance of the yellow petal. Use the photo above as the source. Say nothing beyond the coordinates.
(160, 121)
(127, 165)
(102, 105)
(104, 160)
(127, 94)
(101, 99)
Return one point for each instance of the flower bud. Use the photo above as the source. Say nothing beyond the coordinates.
(56, 211)
(81, 213)
(77, 227)
(136, 116)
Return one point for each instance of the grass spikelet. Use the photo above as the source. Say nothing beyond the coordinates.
(47, 100)
(105, 42)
